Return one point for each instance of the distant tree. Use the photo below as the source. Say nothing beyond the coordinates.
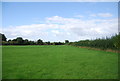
(0, 39)
(66, 41)
(71, 43)
(52, 43)
(58, 43)
(3, 37)
(47, 43)
(117, 41)
(14, 40)
(32, 43)
(26, 42)
(20, 40)
(39, 42)
(9, 40)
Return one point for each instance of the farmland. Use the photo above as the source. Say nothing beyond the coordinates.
(58, 62)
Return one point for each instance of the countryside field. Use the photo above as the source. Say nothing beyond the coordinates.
(58, 62)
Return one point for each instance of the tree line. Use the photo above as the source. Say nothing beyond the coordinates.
(103, 43)
(21, 41)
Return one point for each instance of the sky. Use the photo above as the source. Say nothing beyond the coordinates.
(59, 0)
(59, 21)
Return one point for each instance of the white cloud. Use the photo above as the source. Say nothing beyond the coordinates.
(105, 14)
(0, 29)
(101, 15)
(33, 31)
(55, 31)
(59, 28)
(79, 16)
(93, 15)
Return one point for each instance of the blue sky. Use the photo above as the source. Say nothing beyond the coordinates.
(21, 13)
(60, 0)
(43, 15)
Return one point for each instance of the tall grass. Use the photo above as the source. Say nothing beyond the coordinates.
(104, 43)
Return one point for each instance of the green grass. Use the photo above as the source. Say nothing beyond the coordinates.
(58, 62)
(0, 62)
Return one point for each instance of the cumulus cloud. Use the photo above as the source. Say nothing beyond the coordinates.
(58, 28)
(33, 31)
(55, 31)
(98, 26)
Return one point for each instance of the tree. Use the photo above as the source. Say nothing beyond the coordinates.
(48, 43)
(39, 42)
(32, 43)
(26, 42)
(117, 41)
(66, 41)
(0, 39)
(20, 40)
(3, 37)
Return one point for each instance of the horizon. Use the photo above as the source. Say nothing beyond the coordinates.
(59, 21)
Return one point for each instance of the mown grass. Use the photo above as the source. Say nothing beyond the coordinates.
(58, 62)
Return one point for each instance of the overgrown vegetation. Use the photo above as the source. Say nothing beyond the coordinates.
(104, 43)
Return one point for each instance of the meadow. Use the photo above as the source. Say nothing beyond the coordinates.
(58, 62)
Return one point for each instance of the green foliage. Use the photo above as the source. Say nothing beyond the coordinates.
(47, 43)
(58, 43)
(26, 42)
(66, 41)
(21, 41)
(104, 43)
(40, 42)
(3, 37)
(117, 41)
(58, 62)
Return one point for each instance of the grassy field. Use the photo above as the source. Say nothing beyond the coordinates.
(0, 62)
(58, 62)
